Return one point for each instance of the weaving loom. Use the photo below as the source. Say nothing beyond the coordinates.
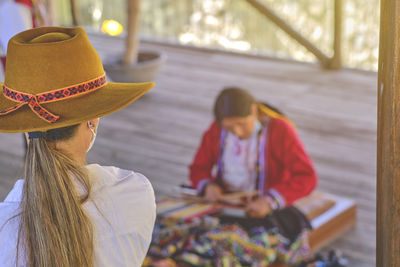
(185, 210)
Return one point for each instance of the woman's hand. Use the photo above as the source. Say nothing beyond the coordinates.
(213, 192)
(258, 208)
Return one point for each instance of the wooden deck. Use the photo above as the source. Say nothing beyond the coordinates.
(335, 113)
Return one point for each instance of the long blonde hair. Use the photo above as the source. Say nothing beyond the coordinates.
(55, 229)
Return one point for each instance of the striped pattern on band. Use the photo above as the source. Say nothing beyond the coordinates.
(34, 101)
(278, 200)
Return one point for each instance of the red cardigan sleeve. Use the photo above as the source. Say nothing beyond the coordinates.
(206, 156)
(286, 152)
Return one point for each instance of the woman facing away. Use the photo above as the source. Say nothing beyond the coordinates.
(64, 212)
(253, 147)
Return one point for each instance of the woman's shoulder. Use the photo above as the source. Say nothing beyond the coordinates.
(214, 127)
(9, 223)
(12, 203)
(123, 214)
(9, 219)
(111, 176)
(122, 195)
(281, 125)
(123, 188)
(213, 131)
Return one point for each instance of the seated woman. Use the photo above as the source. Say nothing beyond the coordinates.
(253, 147)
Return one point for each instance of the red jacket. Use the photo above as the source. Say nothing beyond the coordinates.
(290, 171)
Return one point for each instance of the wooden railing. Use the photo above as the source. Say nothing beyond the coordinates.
(327, 62)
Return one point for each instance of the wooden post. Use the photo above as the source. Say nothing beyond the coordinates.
(44, 12)
(75, 13)
(336, 61)
(325, 61)
(132, 38)
(51, 13)
(388, 147)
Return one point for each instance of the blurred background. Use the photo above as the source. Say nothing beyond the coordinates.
(236, 26)
(316, 60)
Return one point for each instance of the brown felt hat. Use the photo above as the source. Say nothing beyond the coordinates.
(55, 78)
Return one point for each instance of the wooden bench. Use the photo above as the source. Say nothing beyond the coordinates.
(330, 217)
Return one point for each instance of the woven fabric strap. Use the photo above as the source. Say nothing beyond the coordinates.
(34, 101)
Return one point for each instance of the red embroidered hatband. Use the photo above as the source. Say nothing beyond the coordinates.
(34, 101)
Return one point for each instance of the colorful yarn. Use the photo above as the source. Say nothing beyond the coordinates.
(205, 242)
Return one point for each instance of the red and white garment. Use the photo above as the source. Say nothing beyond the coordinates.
(289, 171)
(240, 160)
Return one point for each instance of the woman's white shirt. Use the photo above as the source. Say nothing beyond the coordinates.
(239, 160)
(122, 208)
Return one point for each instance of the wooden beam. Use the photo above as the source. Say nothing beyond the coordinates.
(132, 37)
(50, 9)
(325, 60)
(388, 147)
(336, 61)
(75, 13)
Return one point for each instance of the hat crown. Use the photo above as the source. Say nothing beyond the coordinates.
(49, 58)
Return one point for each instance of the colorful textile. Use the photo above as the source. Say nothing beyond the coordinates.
(331, 259)
(205, 242)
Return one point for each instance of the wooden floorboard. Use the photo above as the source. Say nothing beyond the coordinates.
(334, 111)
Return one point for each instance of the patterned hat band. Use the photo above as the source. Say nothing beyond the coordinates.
(34, 101)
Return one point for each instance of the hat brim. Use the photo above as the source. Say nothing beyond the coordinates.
(103, 101)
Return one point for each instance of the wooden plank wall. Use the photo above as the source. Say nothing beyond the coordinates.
(335, 113)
